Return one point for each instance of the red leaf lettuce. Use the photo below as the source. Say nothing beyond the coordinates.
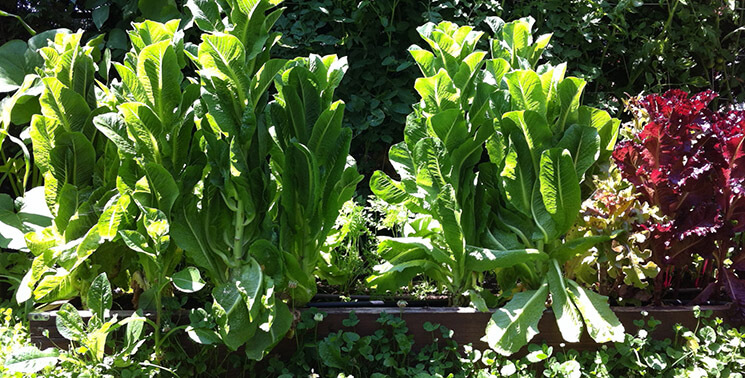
(690, 162)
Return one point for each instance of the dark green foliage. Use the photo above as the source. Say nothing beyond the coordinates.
(374, 36)
(112, 17)
(710, 349)
(632, 46)
(389, 352)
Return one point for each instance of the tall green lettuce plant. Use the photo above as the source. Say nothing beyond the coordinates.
(79, 167)
(444, 140)
(224, 222)
(312, 161)
(274, 181)
(510, 214)
(153, 130)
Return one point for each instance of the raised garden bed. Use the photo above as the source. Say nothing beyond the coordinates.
(466, 323)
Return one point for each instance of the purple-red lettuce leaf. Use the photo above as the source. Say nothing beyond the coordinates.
(690, 162)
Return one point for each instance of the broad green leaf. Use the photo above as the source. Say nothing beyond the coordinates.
(501, 240)
(560, 187)
(534, 130)
(188, 280)
(576, 246)
(56, 287)
(450, 126)
(225, 108)
(430, 157)
(145, 127)
(247, 6)
(567, 317)
(514, 325)
(12, 65)
(96, 340)
(497, 68)
(67, 201)
(517, 36)
(162, 185)
(99, 296)
(606, 126)
(113, 127)
(42, 136)
(402, 161)
(88, 244)
(203, 336)
(76, 69)
(337, 68)
(131, 82)
(112, 217)
(232, 316)
(570, 92)
(497, 149)
(73, 159)
(438, 92)
(223, 56)
(594, 118)
(27, 214)
(468, 70)
(249, 281)
(150, 32)
(547, 227)
(300, 188)
(30, 359)
(156, 226)
(449, 215)
(188, 230)
(325, 134)
(518, 176)
(583, 143)
(137, 242)
(550, 82)
(467, 155)
(415, 130)
(477, 301)
(42, 39)
(264, 78)
(158, 10)
(537, 48)
(19, 107)
(602, 324)
(303, 279)
(133, 332)
(392, 277)
(263, 341)
(63, 105)
(424, 59)
(206, 15)
(397, 250)
(526, 91)
(484, 259)
(69, 323)
(387, 189)
(100, 15)
(159, 72)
